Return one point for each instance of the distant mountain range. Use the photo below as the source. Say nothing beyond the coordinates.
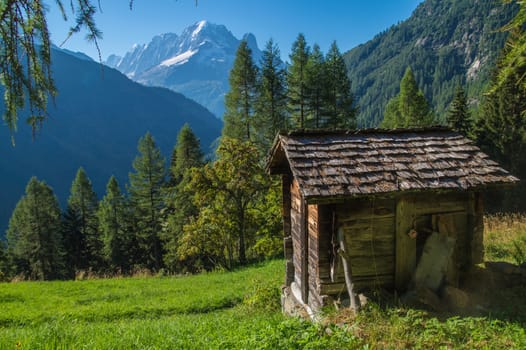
(100, 113)
(96, 121)
(446, 42)
(195, 63)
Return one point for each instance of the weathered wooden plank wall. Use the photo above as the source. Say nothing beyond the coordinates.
(313, 239)
(368, 226)
(296, 234)
(448, 214)
(382, 253)
(476, 227)
(287, 238)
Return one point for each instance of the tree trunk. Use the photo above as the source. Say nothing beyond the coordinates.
(241, 228)
(346, 262)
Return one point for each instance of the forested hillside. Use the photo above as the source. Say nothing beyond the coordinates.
(445, 42)
(95, 122)
(201, 213)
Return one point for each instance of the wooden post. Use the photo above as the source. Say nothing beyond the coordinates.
(287, 234)
(405, 246)
(304, 232)
(347, 270)
(477, 240)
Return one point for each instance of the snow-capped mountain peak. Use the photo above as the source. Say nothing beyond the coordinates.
(196, 63)
(197, 30)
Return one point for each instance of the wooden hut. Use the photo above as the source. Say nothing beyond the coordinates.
(378, 195)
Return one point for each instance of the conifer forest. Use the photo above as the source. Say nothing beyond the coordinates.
(206, 224)
(198, 211)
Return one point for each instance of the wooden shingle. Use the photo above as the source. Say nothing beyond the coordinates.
(350, 163)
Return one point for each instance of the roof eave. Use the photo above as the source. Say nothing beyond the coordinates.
(311, 199)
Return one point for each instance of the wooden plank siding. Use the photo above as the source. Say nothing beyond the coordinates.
(287, 238)
(476, 228)
(368, 226)
(447, 213)
(313, 266)
(296, 234)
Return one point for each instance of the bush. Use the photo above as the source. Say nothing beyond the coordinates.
(263, 296)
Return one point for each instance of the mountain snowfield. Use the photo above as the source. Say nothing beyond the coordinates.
(195, 63)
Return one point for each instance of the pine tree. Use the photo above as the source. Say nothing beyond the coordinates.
(501, 132)
(513, 62)
(80, 226)
(459, 118)
(239, 101)
(172, 180)
(501, 127)
(392, 116)
(112, 216)
(297, 82)
(316, 87)
(339, 101)
(33, 235)
(271, 100)
(4, 263)
(146, 184)
(180, 207)
(409, 108)
(187, 153)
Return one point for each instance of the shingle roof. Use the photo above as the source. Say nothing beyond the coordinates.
(372, 161)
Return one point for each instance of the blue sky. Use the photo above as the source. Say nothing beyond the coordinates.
(349, 22)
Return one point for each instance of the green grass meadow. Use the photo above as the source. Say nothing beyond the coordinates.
(204, 311)
(241, 310)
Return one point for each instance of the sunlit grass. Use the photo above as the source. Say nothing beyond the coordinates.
(505, 237)
(240, 310)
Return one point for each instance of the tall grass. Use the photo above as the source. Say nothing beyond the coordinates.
(505, 237)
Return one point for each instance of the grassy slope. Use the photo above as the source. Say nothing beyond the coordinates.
(238, 310)
(196, 311)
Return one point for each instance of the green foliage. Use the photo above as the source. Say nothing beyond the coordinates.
(519, 251)
(407, 328)
(409, 108)
(297, 82)
(501, 127)
(25, 58)
(339, 102)
(501, 131)
(459, 117)
(4, 263)
(80, 226)
(146, 183)
(270, 103)
(316, 88)
(112, 215)
(225, 192)
(180, 208)
(239, 101)
(266, 214)
(514, 59)
(262, 296)
(447, 43)
(186, 154)
(35, 243)
(505, 237)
